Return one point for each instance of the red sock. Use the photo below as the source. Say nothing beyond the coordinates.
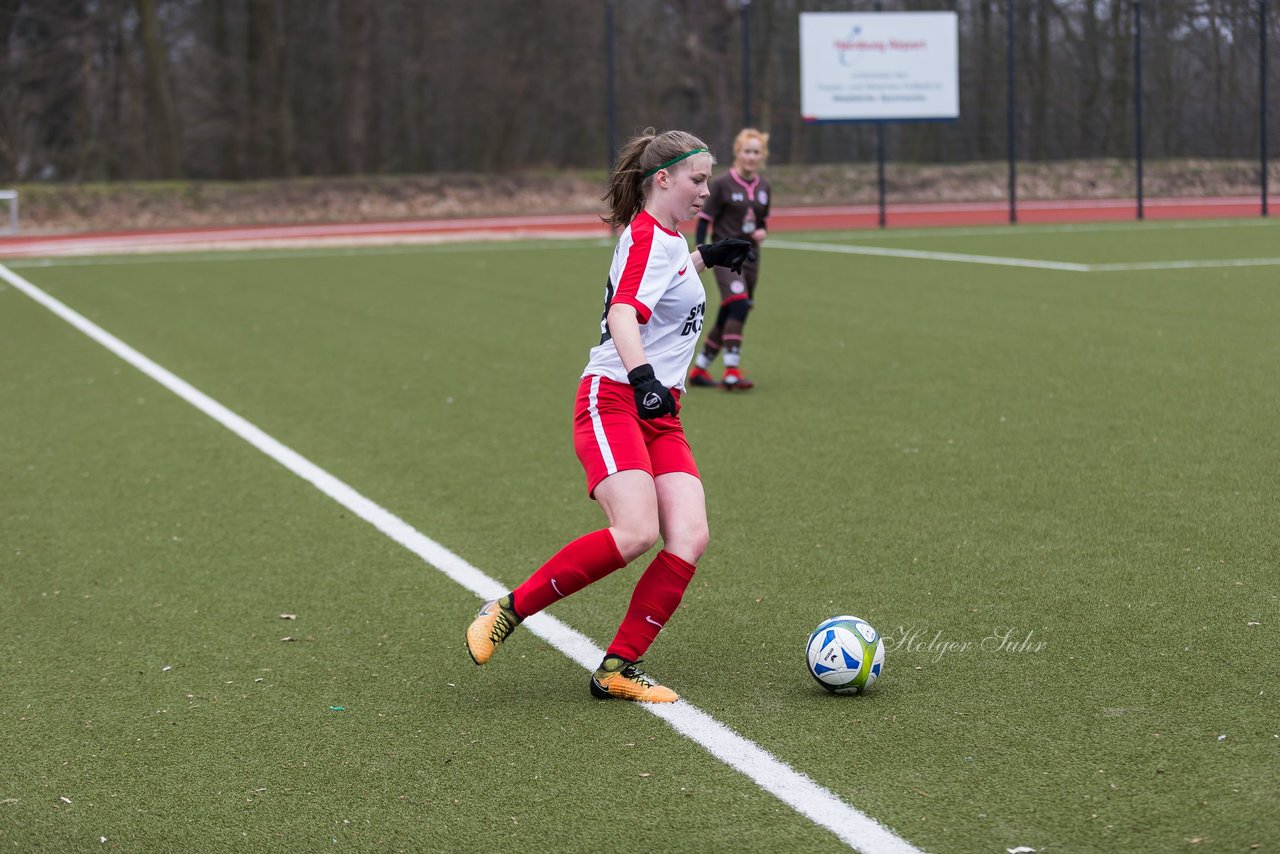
(656, 597)
(589, 558)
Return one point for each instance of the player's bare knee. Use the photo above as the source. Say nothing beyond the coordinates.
(634, 539)
(689, 542)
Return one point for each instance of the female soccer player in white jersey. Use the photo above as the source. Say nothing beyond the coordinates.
(627, 429)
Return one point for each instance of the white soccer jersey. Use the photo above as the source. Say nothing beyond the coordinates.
(653, 272)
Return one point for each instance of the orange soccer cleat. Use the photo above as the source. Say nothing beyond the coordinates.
(490, 628)
(623, 680)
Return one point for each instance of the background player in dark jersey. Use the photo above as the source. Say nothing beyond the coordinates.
(627, 429)
(738, 207)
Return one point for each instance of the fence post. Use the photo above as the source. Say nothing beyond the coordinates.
(1262, 95)
(884, 216)
(1137, 96)
(1011, 112)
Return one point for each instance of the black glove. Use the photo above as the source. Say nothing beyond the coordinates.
(653, 399)
(731, 253)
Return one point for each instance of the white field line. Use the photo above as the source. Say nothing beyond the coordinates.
(1000, 261)
(791, 787)
(923, 255)
(529, 245)
(1206, 264)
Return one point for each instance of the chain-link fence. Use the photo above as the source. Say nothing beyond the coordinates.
(183, 89)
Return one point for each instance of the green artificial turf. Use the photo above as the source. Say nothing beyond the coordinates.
(1052, 492)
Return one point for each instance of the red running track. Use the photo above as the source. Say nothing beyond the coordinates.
(589, 225)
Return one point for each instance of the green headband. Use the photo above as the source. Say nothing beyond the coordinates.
(673, 161)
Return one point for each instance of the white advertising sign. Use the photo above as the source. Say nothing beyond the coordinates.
(864, 66)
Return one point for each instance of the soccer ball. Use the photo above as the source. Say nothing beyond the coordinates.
(845, 655)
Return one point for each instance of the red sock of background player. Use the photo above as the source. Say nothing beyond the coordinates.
(589, 558)
(656, 597)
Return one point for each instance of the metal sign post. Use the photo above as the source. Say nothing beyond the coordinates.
(1011, 113)
(1137, 96)
(1262, 94)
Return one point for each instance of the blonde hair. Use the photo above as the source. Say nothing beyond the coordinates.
(751, 133)
(637, 162)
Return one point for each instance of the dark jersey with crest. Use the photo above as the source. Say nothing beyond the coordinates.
(737, 207)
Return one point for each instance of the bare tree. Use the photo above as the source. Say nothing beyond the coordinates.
(357, 29)
(164, 118)
(107, 89)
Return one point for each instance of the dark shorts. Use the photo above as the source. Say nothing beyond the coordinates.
(737, 286)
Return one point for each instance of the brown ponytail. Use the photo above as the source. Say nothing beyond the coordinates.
(629, 184)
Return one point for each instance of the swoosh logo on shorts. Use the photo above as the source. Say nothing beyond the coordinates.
(682, 269)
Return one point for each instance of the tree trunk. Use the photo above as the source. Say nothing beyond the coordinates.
(357, 37)
(284, 140)
(986, 83)
(1087, 143)
(10, 112)
(1118, 129)
(164, 118)
(767, 66)
(1042, 133)
(230, 102)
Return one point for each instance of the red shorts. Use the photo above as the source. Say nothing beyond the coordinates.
(610, 436)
